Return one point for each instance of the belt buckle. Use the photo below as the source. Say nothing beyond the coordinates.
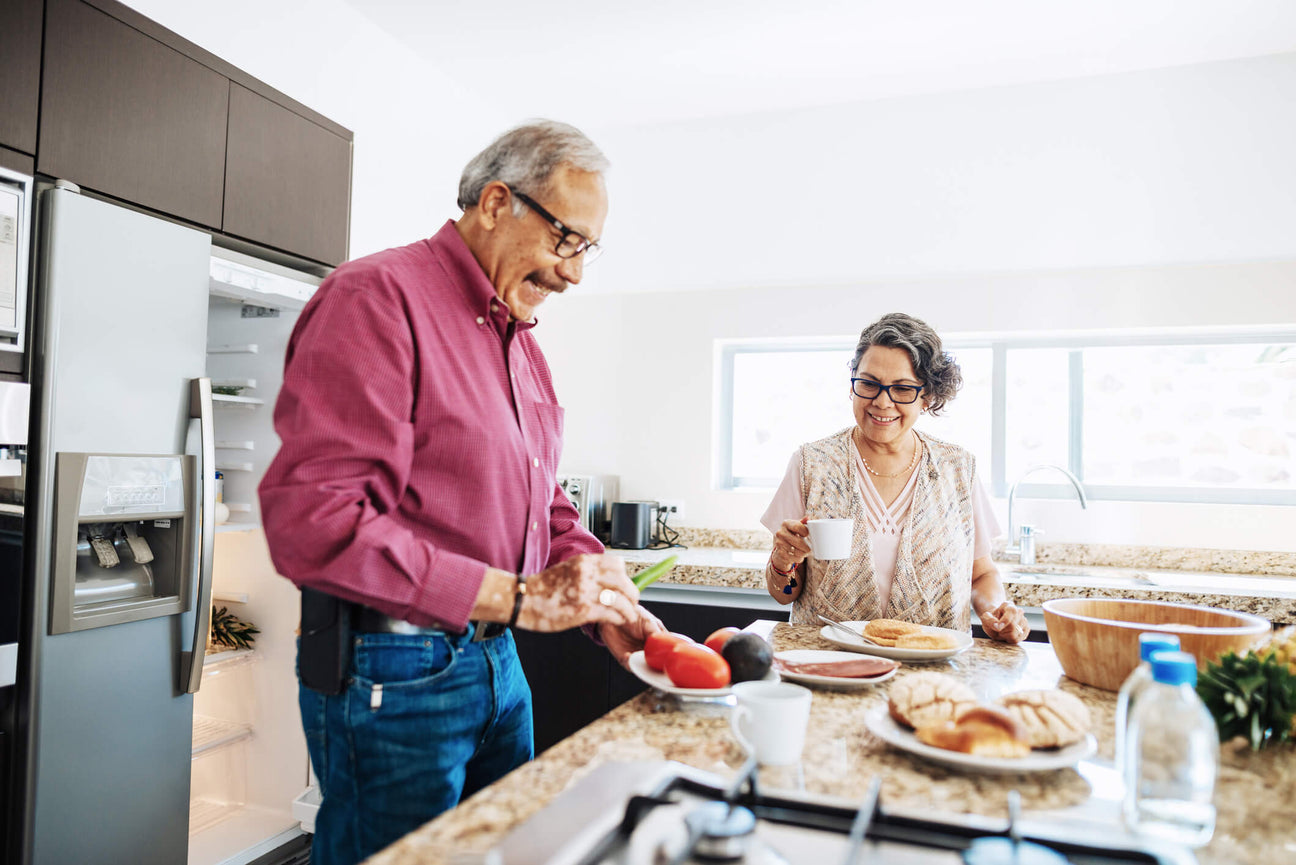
(483, 631)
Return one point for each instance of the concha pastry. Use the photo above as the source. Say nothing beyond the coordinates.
(1052, 718)
(924, 699)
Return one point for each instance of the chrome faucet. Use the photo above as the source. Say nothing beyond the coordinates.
(1022, 538)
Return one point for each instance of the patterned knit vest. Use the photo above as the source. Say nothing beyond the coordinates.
(933, 579)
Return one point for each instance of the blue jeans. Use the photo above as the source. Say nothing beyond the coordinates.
(425, 720)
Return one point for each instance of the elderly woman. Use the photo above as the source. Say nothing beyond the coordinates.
(923, 524)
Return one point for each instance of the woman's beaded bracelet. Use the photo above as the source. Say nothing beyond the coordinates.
(784, 574)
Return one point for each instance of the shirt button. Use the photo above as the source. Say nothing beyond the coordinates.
(535, 526)
(481, 320)
(535, 461)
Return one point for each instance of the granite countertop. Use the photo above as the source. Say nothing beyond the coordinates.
(1125, 573)
(1253, 794)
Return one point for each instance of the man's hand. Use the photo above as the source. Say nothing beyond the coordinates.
(1005, 622)
(581, 590)
(624, 640)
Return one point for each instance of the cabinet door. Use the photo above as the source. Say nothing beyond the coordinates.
(125, 115)
(288, 180)
(20, 40)
(568, 674)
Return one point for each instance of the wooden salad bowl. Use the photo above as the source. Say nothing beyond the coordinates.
(1096, 639)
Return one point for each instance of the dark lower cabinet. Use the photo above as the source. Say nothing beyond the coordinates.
(574, 681)
(287, 179)
(20, 58)
(126, 115)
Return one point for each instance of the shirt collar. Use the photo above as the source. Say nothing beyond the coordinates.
(464, 269)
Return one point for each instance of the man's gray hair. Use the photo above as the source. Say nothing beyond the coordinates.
(525, 157)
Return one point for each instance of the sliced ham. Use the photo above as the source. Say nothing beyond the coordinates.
(855, 668)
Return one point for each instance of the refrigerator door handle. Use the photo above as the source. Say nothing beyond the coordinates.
(200, 408)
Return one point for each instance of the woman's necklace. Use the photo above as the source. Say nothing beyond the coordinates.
(904, 471)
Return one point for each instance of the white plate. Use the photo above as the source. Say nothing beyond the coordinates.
(837, 638)
(881, 724)
(662, 682)
(820, 656)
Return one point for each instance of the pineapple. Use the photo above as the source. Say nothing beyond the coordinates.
(1254, 694)
(230, 632)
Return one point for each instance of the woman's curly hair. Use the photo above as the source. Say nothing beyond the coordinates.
(939, 374)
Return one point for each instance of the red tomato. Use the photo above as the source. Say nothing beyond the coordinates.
(660, 644)
(716, 641)
(694, 666)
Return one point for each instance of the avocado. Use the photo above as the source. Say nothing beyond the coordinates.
(749, 657)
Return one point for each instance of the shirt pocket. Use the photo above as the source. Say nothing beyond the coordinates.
(545, 433)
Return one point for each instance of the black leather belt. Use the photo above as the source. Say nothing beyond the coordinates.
(371, 621)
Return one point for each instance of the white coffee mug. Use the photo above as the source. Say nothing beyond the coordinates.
(770, 720)
(830, 539)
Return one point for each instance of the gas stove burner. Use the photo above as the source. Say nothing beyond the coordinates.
(723, 832)
(670, 814)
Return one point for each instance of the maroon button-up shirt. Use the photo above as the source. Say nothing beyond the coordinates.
(421, 439)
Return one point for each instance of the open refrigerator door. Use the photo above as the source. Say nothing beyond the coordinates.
(249, 755)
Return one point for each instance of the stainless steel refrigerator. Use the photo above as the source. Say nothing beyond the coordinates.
(155, 358)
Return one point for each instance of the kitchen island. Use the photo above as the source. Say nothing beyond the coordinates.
(1253, 795)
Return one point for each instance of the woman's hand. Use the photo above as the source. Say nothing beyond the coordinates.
(791, 544)
(1002, 619)
(1006, 623)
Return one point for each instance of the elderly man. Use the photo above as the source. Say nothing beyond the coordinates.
(414, 498)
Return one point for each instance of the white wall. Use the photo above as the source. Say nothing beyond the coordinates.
(1163, 198)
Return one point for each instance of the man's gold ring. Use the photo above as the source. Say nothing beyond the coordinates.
(606, 597)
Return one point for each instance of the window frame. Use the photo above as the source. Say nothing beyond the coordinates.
(1000, 345)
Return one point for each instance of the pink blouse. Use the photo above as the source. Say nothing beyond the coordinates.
(884, 522)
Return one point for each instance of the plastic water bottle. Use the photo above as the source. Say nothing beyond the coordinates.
(1134, 685)
(1171, 756)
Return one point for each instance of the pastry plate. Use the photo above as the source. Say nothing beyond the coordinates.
(880, 723)
(662, 682)
(821, 656)
(837, 638)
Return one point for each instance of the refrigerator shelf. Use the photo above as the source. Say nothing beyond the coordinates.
(235, 467)
(240, 401)
(206, 813)
(228, 659)
(210, 734)
(238, 526)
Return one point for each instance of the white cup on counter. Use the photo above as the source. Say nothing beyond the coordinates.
(770, 720)
(831, 538)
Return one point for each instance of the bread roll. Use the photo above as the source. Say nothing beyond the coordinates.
(984, 731)
(1052, 718)
(924, 699)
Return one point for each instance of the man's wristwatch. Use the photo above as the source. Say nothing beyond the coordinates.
(517, 599)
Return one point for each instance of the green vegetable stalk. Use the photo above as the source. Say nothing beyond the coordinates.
(648, 576)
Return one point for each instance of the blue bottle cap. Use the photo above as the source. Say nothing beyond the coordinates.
(1154, 642)
(1174, 668)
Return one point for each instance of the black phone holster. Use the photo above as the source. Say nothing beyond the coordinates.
(324, 652)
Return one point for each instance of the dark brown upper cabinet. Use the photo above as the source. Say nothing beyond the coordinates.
(287, 179)
(126, 115)
(20, 46)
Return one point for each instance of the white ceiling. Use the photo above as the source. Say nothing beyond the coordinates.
(601, 62)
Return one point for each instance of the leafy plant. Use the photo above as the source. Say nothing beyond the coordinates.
(230, 631)
(1251, 695)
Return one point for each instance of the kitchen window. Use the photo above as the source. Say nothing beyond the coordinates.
(1204, 415)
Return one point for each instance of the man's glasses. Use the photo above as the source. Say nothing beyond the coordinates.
(572, 243)
(867, 388)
